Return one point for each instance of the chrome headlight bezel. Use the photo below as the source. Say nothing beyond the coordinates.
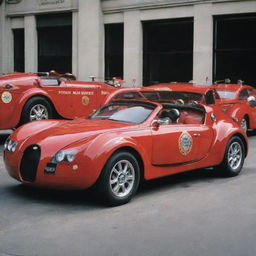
(64, 156)
(10, 145)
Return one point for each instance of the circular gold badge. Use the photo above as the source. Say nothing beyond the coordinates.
(185, 143)
(6, 97)
(85, 100)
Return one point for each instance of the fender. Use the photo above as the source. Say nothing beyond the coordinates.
(224, 133)
(100, 149)
(236, 112)
(25, 97)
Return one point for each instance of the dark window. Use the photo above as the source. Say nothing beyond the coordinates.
(55, 42)
(114, 50)
(19, 61)
(167, 51)
(209, 98)
(235, 48)
(243, 95)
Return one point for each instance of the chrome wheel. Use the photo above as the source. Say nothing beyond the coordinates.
(244, 124)
(38, 112)
(235, 155)
(122, 177)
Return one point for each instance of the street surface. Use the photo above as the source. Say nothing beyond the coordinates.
(191, 214)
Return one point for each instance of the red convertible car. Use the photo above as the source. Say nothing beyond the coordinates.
(122, 143)
(29, 97)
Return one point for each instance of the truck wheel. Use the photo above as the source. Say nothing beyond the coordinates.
(36, 108)
(119, 179)
(233, 159)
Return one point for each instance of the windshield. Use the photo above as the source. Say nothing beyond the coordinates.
(226, 94)
(131, 112)
(160, 96)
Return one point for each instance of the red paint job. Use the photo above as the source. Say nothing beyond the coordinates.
(70, 99)
(238, 106)
(96, 140)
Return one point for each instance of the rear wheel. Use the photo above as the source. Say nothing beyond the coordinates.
(233, 159)
(36, 108)
(119, 179)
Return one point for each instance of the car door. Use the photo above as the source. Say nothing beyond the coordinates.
(177, 144)
(84, 99)
(60, 95)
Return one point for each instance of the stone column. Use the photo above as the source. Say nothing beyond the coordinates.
(203, 43)
(30, 36)
(2, 19)
(75, 43)
(91, 40)
(6, 41)
(132, 48)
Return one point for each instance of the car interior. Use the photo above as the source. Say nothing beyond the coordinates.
(182, 114)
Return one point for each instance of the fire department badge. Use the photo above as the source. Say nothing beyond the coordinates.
(85, 100)
(6, 97)
(185, 143)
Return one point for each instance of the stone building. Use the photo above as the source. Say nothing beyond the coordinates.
(142, 41)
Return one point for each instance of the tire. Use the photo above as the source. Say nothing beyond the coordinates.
(245, 124)
(36, 108)
(119, 179)
(233, 160)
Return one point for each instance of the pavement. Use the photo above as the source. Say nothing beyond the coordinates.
(191, 214)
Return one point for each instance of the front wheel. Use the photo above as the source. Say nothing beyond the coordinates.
(233, 159)
(119, 179)
(36, 108)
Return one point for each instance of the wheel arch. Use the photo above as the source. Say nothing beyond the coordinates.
(55, 113)
(247, 118)
(135, 153)
(244, 141)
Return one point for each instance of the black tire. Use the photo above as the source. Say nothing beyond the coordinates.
(113, 178)
(31, 105)
(245, 124)
(233, 160)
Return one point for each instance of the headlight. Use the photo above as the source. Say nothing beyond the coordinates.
(64, 156)
(6, 143)
(10, 145)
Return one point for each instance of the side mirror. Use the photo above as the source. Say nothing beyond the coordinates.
(156, 123)
(251, 101)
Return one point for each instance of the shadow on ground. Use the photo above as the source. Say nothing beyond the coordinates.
(87, 197)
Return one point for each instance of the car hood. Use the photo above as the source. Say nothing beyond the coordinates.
(60, 134)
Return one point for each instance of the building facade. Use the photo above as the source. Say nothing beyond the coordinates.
(142, 41)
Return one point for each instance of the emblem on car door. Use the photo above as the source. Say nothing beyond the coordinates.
(185, 143)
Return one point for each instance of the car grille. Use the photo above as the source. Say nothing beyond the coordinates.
(29, 163)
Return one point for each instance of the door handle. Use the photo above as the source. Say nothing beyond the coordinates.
(196, 134)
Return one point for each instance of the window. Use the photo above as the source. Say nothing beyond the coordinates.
(235, 48)
(55, 42)
(114, 50)
(19, 61)
(167, 51)
(243, 95)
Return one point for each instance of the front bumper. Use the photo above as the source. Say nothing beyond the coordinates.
(66, 176)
